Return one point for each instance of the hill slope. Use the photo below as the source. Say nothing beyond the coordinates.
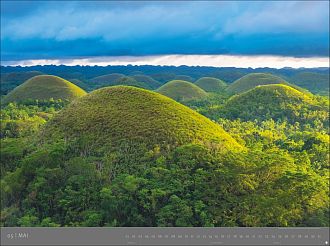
(120, 79)
(152, 83)
(275, 102)
(252, 80)
(210, 84)
(184, 77)
(105, 80)
(180, 90)
(129, 81)
(314, 82)
(44, 87)
(124, 115)
(9, 81)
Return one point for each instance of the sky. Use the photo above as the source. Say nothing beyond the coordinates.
(221, 33)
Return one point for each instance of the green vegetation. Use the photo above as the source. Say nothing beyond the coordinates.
(252, 80)
(44, 87)
(180, 90)
(126, 156)
(184, 77)
(79, 83)
(120, 113)
(278, 102)
(105, 80)
(312, 81)
(119, 79)
(128, 81)
(9, 81)
(211, 84)
(147, 80)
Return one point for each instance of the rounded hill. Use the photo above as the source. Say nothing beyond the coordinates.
(211, 84)
(9, 81)
(184, 77)
(44, 87)
(275, 101)
(252, 80)
(152, 83)
(124, 116)
(107, 78)
(129, 81)
(180, 90)
(118, 79)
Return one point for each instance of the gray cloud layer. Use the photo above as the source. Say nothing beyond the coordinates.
(60, 29)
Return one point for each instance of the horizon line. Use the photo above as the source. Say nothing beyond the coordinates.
(237, 61)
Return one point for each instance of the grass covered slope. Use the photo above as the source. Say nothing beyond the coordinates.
(119, 79)
(113, 116)
(107, 78)
(252, 80)
(44, 87)
(152, 83)
(275, 102)
(314, 82)
(180, 90)
(184, 77)
(129, 81)
(210, 84)
(9, 81)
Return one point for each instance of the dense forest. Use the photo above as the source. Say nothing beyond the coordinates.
(164, 146)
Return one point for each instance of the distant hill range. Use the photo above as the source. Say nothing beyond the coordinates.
(315, 80)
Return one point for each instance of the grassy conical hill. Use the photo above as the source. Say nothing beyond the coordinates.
(79, 83)
(18, 76)
(152, 83)
(107, 78)
(184, 77)
(180, 90)
(9, 81)
(274, 102)
(252, 80)
(130, 81)
(44, 87)
(122, 115)
(210, 84)
(117, 79)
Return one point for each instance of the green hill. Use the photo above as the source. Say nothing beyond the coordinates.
(9, 81)
(118, 79)
(163, 77)
(44, 87)
(314, 82)
(123, 116)
(80, 83)
(152, 83)
(210, 84)
(252, 80)
(129, 81)
(180, 90)
(105, 80)
(275, 101)
(184, 77)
